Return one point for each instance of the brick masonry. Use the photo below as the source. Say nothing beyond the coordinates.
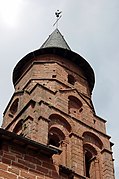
(18, 162)
(52, 105)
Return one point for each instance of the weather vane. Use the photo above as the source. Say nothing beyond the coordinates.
(58, 16)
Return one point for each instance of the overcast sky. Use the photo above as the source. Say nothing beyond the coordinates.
(91, 28)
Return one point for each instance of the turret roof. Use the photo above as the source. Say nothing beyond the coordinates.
(55, 44)
(56, 40)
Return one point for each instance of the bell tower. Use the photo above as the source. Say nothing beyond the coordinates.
(52, 106)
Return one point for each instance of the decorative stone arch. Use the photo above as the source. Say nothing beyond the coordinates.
(24, 127)
(60, 127)
(55, 136)
(74, 105)
(58, 135)
(14, 107)
(92, 148)
(59, 120)
(91, 138)
(90, 154)
(18, 127)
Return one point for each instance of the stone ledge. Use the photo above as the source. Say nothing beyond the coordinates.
(28, 143)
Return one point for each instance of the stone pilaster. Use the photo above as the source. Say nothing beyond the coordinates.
(77, 158)
(108, 168)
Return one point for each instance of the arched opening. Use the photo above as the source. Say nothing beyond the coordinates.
(14, 106)
(18, 128)
(59, 129)
(89, 159)
(74, 105)
(92, 148)
(55, 137)
(93, 139)
(59, 120)
(71, 79)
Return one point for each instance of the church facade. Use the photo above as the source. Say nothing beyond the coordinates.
(50, 128)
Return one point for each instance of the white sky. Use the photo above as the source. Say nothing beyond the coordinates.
(91, 28)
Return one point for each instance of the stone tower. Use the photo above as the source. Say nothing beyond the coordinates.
(52, 107)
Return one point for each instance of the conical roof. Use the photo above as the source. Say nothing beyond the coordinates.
(56, 40)
(55, 44)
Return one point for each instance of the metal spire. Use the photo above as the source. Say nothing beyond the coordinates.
(58, 16)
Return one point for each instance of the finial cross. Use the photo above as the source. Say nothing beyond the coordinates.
(58, 16)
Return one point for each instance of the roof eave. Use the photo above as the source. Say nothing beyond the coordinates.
(70, 55)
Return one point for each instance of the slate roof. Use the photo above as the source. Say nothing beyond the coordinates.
(56, 40)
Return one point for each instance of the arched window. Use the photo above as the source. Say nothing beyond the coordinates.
(92, 139)
(18, 128)
(14, 106)
(89, 160)
(59, 120)
(59, 129)
(74, 105)
(54, 139)
(88, 157)
(92, 148)
(71, 79)
(55, 136)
